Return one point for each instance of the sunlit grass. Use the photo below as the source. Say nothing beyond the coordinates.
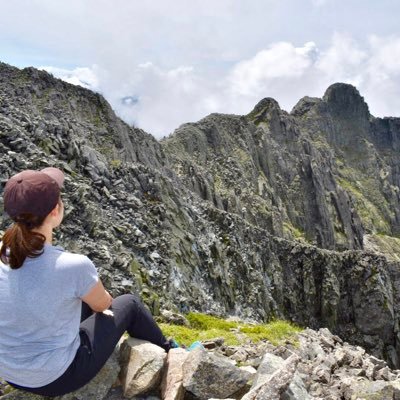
(275, 331)
(204, 321)
(204, 327)
(186, 336)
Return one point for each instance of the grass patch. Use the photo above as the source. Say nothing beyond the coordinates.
(388, 245)
(371, 213)
(275, 331)
(204, 327)
(296, 232)
(205, 322)
(186, 336)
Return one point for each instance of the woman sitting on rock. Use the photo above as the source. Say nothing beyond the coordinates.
(55, 332)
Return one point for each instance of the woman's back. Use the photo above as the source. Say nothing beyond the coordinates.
(40, 309)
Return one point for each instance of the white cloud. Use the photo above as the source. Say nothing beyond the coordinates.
(85, 77)
(381, 84)
(319, 3)
(280, 60)
(161, 63)
(160, 99)
(343, 60)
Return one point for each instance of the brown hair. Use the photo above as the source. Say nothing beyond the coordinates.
(20, 241)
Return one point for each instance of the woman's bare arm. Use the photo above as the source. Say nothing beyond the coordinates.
(98, 298)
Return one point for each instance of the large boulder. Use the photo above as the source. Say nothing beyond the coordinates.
(142, 364)
(172, 384)
(206, 375)
(272, 363)
(361, 388)
(275, 385)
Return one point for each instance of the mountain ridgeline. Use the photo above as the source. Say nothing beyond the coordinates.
(267, 215)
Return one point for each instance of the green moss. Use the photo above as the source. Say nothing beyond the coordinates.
(320, 142)
(136, 270)
(370, 205)
(8, 389)
(204, 327)
(296, 232)
(152, 300)
(388, 245)
(107, 150)
(186, 336)
(241, 156)
(205, 322)
(115, 163)
(275, 331)
(226, 239)
(45, 144)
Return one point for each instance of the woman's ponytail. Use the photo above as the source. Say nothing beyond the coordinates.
(20, 242)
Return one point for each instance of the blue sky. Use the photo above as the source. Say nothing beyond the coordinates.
(181, 60)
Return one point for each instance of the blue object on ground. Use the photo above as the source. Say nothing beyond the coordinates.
(174, 344)
(195, 345)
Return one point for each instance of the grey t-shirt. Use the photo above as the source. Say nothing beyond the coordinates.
(40, 310)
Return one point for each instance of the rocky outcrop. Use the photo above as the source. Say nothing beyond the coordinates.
(327, 173)
(318, 366)
(258, 216)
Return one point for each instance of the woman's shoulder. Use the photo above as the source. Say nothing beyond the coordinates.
(70, 260)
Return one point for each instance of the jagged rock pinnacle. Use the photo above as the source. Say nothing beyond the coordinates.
(345, 99)
(262, 108)
(304, 105)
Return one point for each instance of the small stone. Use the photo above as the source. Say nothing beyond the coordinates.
(213, 343)
(154, 255)
(250, 369)
(240, 355)
(174, 318)
(322, 374)
(383, 374)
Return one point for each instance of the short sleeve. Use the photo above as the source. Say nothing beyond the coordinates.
(88, 277)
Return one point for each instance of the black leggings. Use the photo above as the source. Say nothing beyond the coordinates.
(99, 334)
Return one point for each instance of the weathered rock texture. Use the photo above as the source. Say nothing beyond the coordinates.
(142, 364)
(320, 366)
(276, 384)
(207, 375)
(327, 173)
(264, 215)
(172, 384)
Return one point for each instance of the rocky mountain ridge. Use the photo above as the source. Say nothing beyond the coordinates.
(327, 173)
(233, 215)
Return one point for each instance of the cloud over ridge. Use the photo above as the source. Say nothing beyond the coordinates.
(166, 98)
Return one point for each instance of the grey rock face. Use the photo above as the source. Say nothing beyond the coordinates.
(238, 215)
(275, 386)
(206, 375)
(271, 364)
(319, 366)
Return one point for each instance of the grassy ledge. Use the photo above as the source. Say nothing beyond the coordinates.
(204, 327)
